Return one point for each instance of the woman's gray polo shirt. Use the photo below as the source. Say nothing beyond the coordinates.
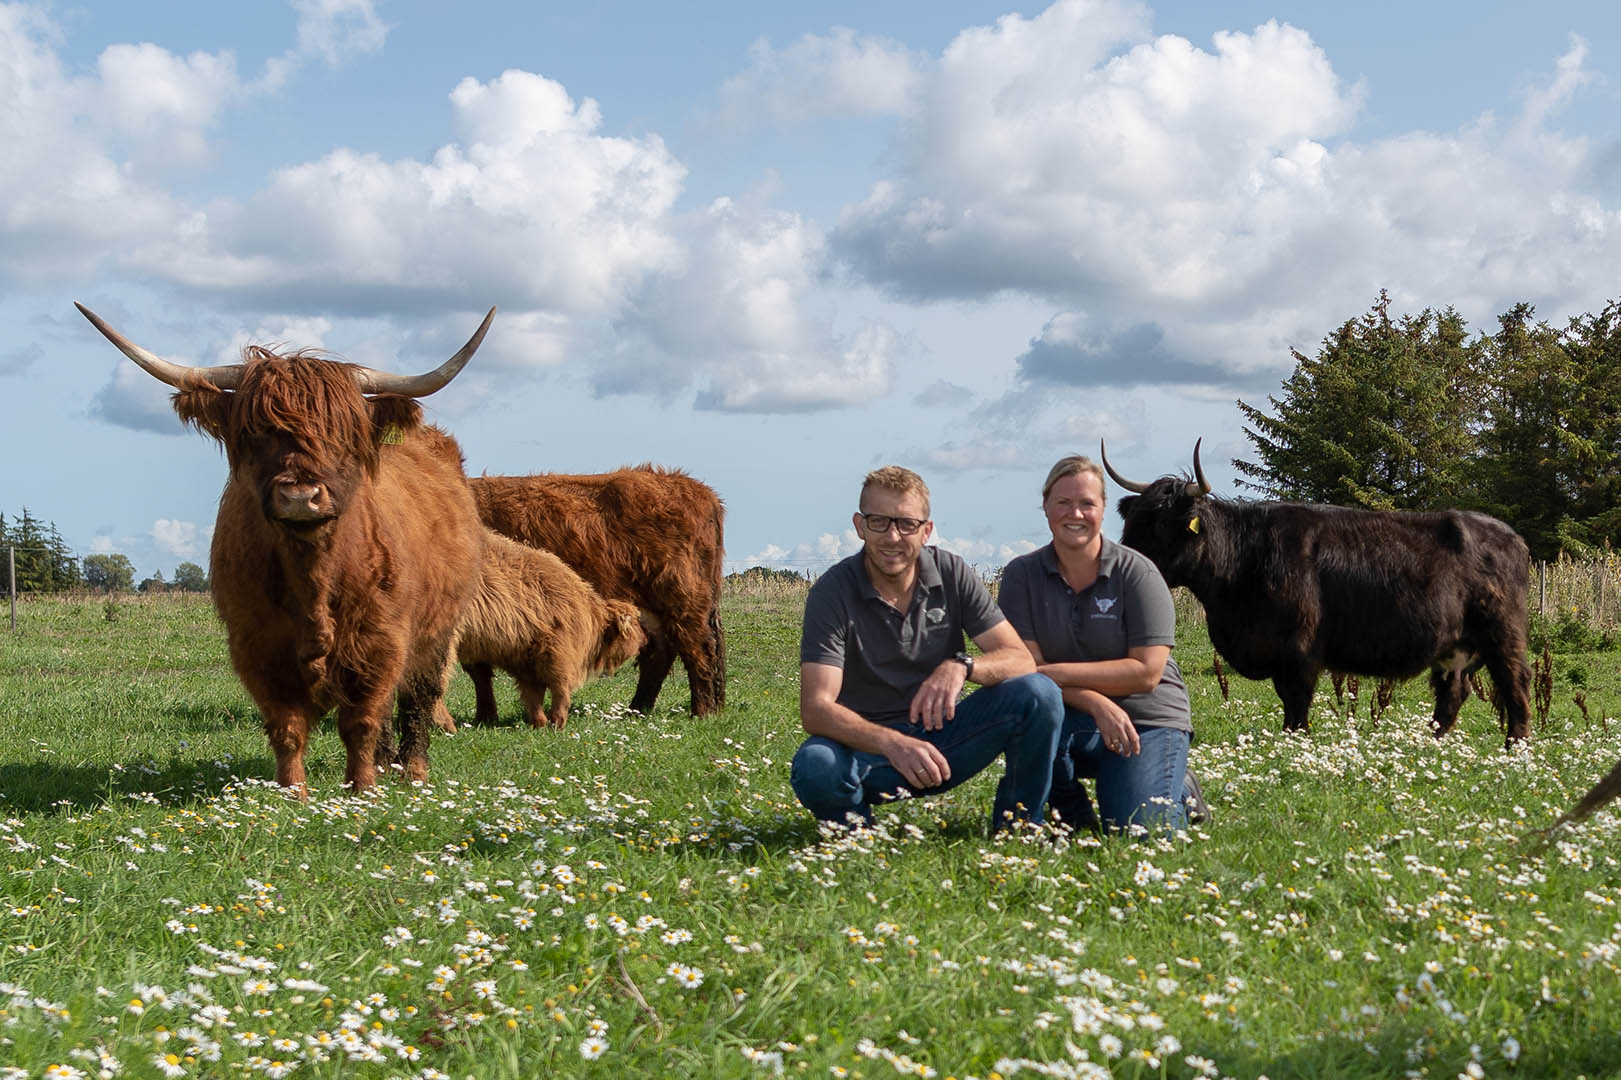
(1127, 606)
(884, 653)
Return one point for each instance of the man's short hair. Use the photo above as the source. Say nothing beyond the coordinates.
(1072, 465)
(899, 479)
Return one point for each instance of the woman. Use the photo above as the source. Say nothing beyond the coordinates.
(1099, 621)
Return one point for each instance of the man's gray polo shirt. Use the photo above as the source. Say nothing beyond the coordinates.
(884, 653)
(1127, 606)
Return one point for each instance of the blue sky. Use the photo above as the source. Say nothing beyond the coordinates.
(773, 248)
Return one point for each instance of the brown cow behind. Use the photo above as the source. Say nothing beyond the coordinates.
(652, 537)
(346, 546)
(539, 621)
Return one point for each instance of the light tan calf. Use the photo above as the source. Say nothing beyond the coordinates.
(542, 623)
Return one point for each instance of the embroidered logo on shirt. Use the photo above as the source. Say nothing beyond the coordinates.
(1104, 603)
(935, 615)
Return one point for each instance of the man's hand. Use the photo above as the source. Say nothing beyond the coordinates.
(921, 764)
(936, 700)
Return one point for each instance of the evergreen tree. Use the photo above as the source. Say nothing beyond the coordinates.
(65, 572)
(33, 558)
(1530, 442)
(1380, 417)
(45, 562)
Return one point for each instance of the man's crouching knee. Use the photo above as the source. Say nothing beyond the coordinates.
(1040, 697)
(822, 780)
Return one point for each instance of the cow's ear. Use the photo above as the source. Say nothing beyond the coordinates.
(392, 416)
(622, 625)
(207, 409)
(1125, 505)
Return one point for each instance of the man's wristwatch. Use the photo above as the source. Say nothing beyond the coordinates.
(966, 661)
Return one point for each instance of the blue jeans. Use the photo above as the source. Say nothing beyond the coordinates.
(1145, 789)
(1019, 717)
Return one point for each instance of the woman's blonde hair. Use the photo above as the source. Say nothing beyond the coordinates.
(1072, 465)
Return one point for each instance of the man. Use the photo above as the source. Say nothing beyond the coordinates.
(882, 663)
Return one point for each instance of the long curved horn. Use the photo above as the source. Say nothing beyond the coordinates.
(381, 382)
(180, 376)
(229, 376)
(1121, 480)
(1200, 486)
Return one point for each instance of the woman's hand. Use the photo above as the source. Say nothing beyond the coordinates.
(1115, 728)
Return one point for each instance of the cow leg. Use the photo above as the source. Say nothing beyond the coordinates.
(693, 634)
(717, 657)
(653, 664)
(702, 686)
(441, 712)
(707, 673)
(1513, 681)
(534, 703)
(421, 693)
(1451, 686)
(383, 753)
(288, 730)
(484, 709)
(360, 726)
(1295, 688)
(442, 718)
(557, 715)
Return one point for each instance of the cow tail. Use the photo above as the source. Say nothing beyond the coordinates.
(717, 636)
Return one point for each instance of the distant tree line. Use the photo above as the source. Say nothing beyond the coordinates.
(1415, 413)
(45, 563)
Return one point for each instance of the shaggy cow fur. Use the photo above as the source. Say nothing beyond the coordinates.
(346, 547)
(652, 537)
(542, 623)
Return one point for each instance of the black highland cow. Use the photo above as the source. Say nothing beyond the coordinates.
(1290, 589)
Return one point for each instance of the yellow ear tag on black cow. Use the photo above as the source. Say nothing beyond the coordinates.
(392, 435)
(1193, 526)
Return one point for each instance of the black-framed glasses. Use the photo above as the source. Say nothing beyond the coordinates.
(880, 523)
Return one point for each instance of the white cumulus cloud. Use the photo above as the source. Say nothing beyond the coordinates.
(737, 318)
(813, 555)
(84, 159)
(176, 538)
(819, 75)
(531, 206)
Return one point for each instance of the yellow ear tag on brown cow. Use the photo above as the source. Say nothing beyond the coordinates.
(392, 435)
(1193, 526)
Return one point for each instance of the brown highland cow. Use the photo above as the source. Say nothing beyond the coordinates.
(345, 549)
(652, 537)
(539, 621)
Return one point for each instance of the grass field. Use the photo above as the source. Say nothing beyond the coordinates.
(641, 896)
